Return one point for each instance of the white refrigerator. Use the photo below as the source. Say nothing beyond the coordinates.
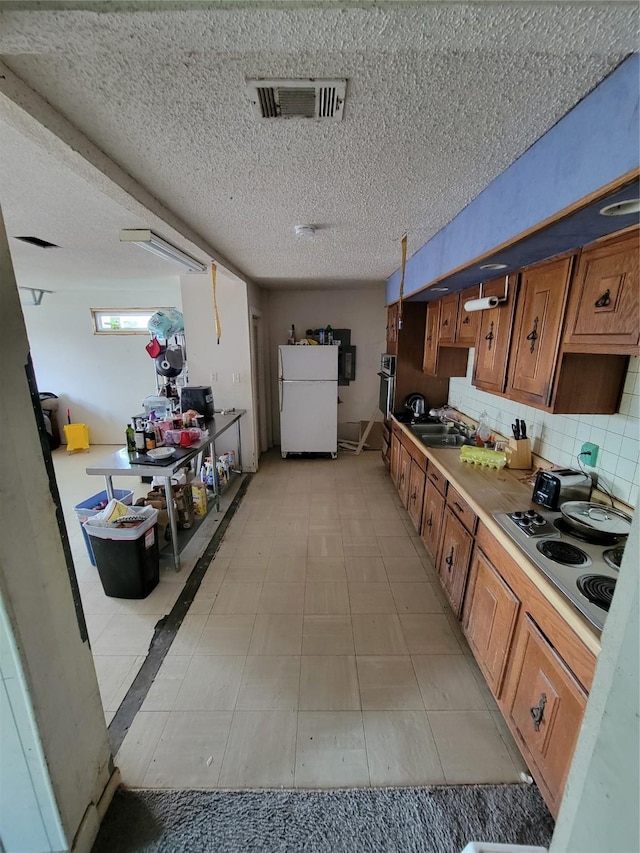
(308, 396)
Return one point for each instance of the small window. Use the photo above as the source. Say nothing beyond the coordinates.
(126, 321)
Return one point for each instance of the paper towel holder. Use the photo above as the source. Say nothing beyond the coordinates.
(485, 302)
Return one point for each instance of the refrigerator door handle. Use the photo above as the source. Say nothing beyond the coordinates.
(281, 392)
(280, 367)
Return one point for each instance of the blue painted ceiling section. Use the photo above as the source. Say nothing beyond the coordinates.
(595, 143)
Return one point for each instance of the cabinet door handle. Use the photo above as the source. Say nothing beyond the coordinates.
(490, 336)
(414, 496)
(604, 300)
(428, 338)
(466, 321)
(449, 561)
(430, 522)
(533, 335)
(445, 322)
(537, 711)
(457, 506)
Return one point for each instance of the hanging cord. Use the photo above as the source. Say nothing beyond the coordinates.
(214, 270)
(600, 485)
(404, 264)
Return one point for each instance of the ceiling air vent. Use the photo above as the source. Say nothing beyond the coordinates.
(37, 241)
(319, 100)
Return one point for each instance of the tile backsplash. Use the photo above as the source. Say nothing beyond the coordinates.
(559, 438)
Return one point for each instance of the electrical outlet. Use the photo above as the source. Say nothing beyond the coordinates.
(213, 376)
(589, 454)
(236, 378)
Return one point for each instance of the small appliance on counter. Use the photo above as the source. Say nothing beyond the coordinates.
(199, 398)
(553, 488)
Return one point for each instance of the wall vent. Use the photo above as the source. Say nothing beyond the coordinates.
(318, 100)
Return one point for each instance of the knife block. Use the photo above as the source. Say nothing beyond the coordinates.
(519, 453)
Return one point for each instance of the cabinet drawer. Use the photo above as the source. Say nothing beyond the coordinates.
(419, 458)
(461, 509)
(435, 476)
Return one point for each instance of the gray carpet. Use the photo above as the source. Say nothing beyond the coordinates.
(371, 820)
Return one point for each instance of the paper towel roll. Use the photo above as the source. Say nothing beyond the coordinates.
(481, 304)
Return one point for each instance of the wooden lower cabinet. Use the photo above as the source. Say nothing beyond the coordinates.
(453, 559)
(416, 495)
(432, 510)
(544, 705)
(403, 476)
(490, 613)
(395, 458)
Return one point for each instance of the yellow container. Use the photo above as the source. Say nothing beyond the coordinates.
(77, 436)
(199, 494)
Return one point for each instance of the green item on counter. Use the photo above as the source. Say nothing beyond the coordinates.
(483, 456)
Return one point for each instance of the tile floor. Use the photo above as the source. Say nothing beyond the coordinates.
(120, 630)
(318, 652)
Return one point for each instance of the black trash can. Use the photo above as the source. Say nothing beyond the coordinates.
(127, 559)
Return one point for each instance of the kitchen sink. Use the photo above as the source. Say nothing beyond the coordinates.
(429, 429)
(447, 440)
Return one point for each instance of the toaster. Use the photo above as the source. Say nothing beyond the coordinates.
(553, 488)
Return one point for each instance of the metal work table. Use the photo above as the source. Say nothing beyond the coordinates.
(118, 464)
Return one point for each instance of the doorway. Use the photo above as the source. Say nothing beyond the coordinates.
(259, 383)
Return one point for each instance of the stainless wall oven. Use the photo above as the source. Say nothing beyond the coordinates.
(387, 376)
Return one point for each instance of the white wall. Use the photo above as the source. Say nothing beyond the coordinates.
(101, 378)
(361, 310)
(36, 593)
(29, 820)
(216, 364)
(559, 438)
(600, 810)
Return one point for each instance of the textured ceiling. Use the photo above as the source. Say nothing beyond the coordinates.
(441, 98)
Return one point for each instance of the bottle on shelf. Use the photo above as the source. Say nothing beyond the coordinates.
(292, 335)
(131, 439)
(149, 436)
(328, 336)
(139, 437)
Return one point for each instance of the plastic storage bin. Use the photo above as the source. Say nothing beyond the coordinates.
(127, 558)
(85, 511)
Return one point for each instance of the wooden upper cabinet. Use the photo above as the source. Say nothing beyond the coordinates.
(494, 336)
(448, 319)
(392, 328)
(536, 332)
(441, 356)
(490, 613)
(467, 321)
(430, 357)
(603, 313)
(545, 705)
